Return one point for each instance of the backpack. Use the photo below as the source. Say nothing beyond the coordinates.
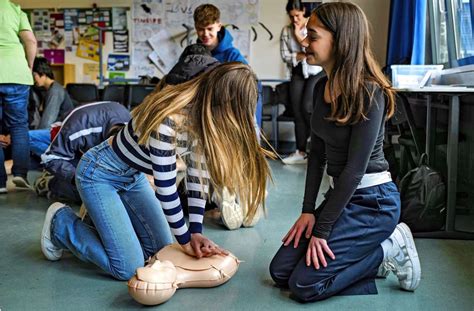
(423, 198)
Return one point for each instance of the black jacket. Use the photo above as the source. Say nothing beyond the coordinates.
(85, 127)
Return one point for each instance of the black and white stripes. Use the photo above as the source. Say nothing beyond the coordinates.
(158, 158)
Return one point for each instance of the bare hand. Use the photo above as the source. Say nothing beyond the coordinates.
(305, 223)
(5, 141)
(316, 252)
(200, 246)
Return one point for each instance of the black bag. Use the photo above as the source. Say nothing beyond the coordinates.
(423, 198)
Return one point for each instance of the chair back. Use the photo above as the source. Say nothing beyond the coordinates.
(137, 93)
(116, 93)
(83, 92)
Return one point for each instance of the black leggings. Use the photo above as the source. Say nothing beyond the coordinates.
(301, 98)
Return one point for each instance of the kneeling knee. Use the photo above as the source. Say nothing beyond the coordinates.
(306, 293)
(278, 275)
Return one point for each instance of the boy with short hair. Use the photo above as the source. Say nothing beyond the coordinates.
(215, 37)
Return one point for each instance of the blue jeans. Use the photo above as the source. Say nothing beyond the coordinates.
(14, 118)
(370, 218)
(39, 141)
(129, 222)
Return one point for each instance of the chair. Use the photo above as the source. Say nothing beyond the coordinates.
(137, 93)
(116, 93)
(270, 112)
(412, 139)
(83, 92)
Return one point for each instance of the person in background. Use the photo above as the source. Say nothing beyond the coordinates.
(339, 248)
(213, 36)
(85, 127)
(54, 107)
(17, 53)
(303, 77)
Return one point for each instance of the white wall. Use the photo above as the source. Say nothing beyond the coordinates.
(265, 54)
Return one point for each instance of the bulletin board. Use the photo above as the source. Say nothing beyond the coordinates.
(145, 39)
(71, 36)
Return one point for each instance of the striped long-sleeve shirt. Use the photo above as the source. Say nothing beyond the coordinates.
(158, 158)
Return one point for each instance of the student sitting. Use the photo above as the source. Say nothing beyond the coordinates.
(85, 127)
(55, 106)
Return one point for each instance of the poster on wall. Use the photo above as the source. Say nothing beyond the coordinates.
(119, 18)
(120, 41)
(88, 49)
(54, 56)
(118, 62)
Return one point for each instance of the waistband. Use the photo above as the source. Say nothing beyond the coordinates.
(369, 180)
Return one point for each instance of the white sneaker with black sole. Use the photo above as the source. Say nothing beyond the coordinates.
(50, 251)
(403, 259)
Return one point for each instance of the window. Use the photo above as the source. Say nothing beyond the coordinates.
(463, 15)
(451, 28)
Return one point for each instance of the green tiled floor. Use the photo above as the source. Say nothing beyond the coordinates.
(29, 282)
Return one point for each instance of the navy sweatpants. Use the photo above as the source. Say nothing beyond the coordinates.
(368, 219)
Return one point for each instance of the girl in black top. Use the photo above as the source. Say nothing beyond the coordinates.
(339, 248)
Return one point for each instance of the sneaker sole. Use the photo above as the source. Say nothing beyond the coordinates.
(46, 232)
(231, 213)
(20, 183)
(413, 255)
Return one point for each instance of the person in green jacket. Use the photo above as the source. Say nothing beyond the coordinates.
(17, 53)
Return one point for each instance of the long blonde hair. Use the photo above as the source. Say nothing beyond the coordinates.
(219, 108)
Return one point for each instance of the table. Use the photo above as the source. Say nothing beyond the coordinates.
(453, 92)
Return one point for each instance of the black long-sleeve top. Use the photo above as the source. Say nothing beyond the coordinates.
(350, 151)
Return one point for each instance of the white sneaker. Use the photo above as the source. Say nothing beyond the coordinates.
(403, 258)
(3, 190)
(21, 182)
(231, 212)
(383, 272)
(296, 158)
(50, 251)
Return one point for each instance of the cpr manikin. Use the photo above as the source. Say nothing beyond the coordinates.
(171, 268)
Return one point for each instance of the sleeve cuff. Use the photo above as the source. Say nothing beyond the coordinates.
(321, 233)
(195, 227)
(184, 239)
(293, 59)
(308, 208)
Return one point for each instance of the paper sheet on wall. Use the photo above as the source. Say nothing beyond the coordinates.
(242, 13)
(147, 18)
(90, 72)
(142, 65)
(241, 41)
(166, 49)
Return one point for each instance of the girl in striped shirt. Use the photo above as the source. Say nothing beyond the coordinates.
(209, 122)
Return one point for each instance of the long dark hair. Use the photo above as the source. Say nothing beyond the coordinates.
(355, 67)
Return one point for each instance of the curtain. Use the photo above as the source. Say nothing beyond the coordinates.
(407, 32)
